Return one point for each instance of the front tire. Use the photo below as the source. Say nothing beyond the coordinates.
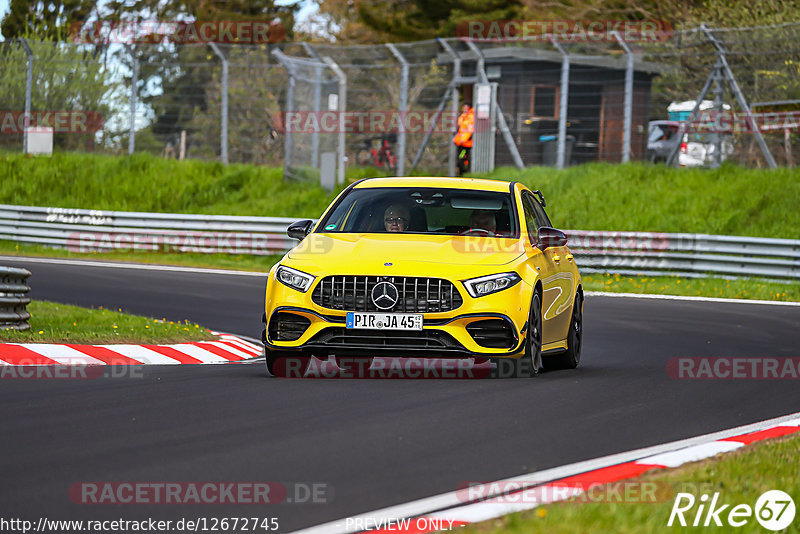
(529, 364)
(285, 364)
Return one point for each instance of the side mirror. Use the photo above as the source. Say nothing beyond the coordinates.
(550, 237)
(300, 229)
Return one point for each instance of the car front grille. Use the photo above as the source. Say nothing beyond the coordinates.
(415, 294)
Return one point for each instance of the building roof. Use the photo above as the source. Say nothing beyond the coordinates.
(503, 54)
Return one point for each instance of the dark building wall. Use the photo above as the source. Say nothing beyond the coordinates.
(595, 111)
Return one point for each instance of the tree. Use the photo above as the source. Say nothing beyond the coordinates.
(50, 20)
(410, 20)
(177, 81)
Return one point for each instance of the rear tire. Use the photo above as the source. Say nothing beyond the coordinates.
(286, 364)
(571, 358)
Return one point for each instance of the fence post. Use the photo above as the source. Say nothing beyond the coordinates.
(685, 123)
(287, 136)
(509, 139)
(562, 112)
(341, 111)
(317, 102)
(28, 89)
(728, 73)
(224, 119)
(403, 109)
(134, 82)
(626, 133)
(451, 153)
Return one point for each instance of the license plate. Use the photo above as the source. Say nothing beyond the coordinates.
(385, 321)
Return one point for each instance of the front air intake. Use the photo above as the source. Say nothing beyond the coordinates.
(287, 326)
(492, 333)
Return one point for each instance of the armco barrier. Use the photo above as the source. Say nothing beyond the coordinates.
(84, 230)
(14, 298)
(685, 254)
(596, 251)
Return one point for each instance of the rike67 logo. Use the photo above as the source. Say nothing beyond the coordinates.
(774, 510)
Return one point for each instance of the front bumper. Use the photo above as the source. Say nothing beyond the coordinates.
(491, 326)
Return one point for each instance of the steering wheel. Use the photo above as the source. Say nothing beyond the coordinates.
(478, 231)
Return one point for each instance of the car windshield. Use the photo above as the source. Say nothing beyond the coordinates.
(661, 132)
(423, 210)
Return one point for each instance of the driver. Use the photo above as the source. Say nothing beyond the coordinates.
(483, 220)
(395, 218)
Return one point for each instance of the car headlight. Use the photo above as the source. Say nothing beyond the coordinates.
(485, 285)
(293, 278)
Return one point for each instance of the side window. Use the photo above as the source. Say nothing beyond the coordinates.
(530, 217)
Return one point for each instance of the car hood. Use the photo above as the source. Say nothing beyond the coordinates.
(349, 253)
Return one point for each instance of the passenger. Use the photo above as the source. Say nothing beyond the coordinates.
(483, 220)
(396, 218)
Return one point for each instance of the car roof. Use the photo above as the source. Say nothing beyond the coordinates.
(437, 181)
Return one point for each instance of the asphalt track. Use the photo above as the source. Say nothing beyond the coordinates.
(372, 443)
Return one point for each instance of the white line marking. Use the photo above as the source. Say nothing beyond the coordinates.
(137, 266)
(455, 498)
(690, 454)
(230, 349)
(698, 299)
(197, 352)
(62, 354)
(141, 354)
(242, 345)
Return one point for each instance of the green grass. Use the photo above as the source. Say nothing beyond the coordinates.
(147, 183)
(598, 196)
(730, 200)
(706, 287)
(740, 477)
(62, 323)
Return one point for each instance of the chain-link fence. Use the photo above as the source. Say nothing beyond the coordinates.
(562, 100)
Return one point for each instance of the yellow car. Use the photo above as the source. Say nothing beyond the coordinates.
(426, 268)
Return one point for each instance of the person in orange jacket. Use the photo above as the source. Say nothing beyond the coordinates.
(463, 139)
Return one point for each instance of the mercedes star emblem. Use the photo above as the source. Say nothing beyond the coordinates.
(384, 295)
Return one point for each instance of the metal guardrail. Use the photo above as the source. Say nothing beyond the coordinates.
(596, 251)
(14, 298)
(82, 230)
(685, 254)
